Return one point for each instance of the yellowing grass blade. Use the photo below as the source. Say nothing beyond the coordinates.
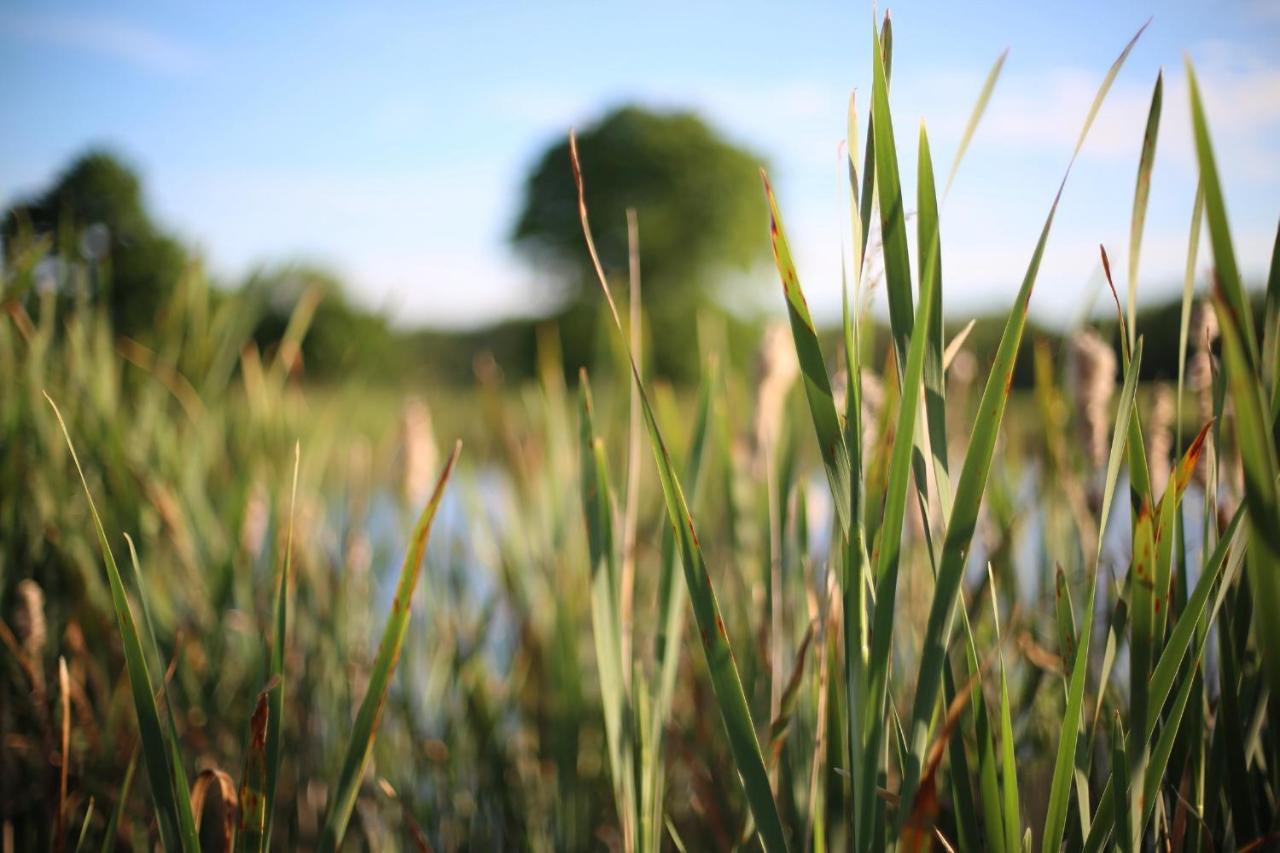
(984, 96)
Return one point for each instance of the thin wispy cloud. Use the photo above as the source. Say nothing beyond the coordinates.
(108, 37)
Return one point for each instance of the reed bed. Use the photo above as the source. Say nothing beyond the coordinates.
(917, 622)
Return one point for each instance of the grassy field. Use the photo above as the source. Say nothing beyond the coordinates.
(843, 598)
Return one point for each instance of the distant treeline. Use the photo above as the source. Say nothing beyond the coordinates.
(93, 219)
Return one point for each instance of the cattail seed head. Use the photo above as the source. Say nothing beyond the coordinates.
(1093, 381)
(418, 445)
(28, 617)
(776, 368)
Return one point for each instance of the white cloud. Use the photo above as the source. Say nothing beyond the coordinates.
(113, 38)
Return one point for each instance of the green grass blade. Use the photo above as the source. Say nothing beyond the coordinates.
(984, 96)
(888, 551)
(893, 228)
(180, 783)
(365, 727)
(275, 718)
(1170, 663)
(155, 751)
(868, 194)
(1215, 207)
(725, 680)
(1120, 785)
(84, 827)
(1140, 195)
(1258, 454)
(973, 478)
(122, 801)
(673, 596)
(929, 239)
(1188, 291)
(1065, 617)
(1008, 763)
(813, 370)
(606, 602)
(1271, 335)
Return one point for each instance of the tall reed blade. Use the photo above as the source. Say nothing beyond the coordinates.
(725, 681)
(176, 829)
(973, 478)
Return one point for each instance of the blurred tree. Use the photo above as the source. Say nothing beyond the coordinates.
(700, 208)
(95, 213)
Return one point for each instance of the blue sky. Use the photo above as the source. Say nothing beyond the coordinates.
(390, 143)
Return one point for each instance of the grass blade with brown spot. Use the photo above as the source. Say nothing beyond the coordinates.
(254, 804)
(365, 727)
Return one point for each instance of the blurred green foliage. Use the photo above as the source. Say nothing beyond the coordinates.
(700, 217)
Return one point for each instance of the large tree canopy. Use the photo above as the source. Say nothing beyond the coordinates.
(697, 196)
(99, 200)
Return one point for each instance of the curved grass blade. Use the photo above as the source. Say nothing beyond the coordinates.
(366, 723)
(817, 386)
(725, 681)
(1140, 196)
(156, 752)
(84, 827)
(275, 718)
(984, 96)
(1254, 427)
